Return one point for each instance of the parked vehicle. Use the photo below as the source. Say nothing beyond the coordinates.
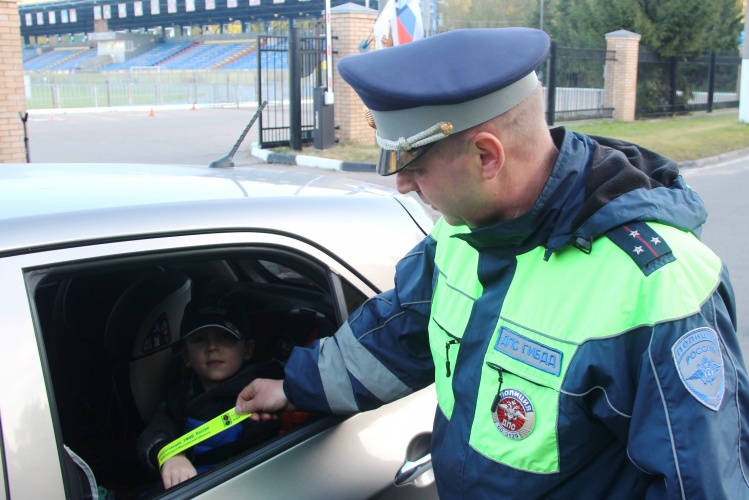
(96, 265)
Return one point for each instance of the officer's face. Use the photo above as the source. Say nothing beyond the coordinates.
(447, 179)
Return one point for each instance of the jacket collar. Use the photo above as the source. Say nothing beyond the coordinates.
(596, 184)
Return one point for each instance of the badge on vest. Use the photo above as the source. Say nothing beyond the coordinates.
(699, 362)
(514, 416)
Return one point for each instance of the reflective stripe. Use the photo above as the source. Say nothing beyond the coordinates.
(350, 356)
(368, 370)
(335, 381)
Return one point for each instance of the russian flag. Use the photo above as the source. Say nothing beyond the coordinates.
(398, 23)
(410, 26)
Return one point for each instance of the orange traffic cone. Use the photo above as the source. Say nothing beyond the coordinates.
(151, 113)
(193, 106)
(52, 117)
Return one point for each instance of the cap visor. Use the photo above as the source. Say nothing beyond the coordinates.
(219, 325)
(391, 162)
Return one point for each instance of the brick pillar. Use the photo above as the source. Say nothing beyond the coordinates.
(350, 24)
(621, 74)
(12, 90)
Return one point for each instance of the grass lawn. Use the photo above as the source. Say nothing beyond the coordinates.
(682, 138)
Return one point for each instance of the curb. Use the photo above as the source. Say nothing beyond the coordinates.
(714, 160)
(311, 161)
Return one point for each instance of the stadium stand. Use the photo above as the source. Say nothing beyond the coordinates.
(75, 62)
(28, 54)
(52, 59)
(232, 55)
(152, 57)
(206, 55)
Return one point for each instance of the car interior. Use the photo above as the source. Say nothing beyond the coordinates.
(110, 336)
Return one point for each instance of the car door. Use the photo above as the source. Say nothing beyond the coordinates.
(71, 380)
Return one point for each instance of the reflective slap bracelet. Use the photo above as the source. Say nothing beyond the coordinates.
(195, 436)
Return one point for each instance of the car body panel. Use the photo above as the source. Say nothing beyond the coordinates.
(88, 216)
(29, 443)
(343, 233)
(378, 436)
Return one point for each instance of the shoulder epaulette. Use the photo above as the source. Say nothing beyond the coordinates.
(646, 247)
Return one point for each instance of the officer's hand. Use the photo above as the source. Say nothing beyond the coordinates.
(176, 470)
(263, 398)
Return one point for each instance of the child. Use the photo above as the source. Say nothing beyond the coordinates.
(215, 332)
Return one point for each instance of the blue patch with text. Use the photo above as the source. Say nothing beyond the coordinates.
(529, 352)
(700, 364)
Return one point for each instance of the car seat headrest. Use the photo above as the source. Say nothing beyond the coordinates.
(142, 330)
(147, 316)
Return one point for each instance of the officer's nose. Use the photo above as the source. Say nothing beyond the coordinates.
(404, 181)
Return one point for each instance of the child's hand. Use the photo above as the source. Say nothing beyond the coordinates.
(176, 470)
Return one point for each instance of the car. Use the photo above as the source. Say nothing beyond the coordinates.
(97, 262)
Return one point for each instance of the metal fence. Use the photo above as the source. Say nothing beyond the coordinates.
(574, 81)
(143, 87)
(290, 68)
(573, 84)
(686, 83)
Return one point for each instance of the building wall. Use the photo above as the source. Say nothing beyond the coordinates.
(12, 92)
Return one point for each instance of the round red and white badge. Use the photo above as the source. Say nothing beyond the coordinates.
(514, 416)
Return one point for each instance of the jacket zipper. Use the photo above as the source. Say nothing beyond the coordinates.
(453, 340)
(497, 398)
(500, 371)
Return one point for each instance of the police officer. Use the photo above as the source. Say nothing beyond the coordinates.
(582, 340)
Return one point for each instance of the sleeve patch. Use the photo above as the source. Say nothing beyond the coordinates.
(646, 247)
(699, 362)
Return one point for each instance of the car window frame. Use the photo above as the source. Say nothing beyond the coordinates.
(41, 265)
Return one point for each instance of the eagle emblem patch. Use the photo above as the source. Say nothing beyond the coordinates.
(699, 362)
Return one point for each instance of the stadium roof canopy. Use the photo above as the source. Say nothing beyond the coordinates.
(78, 16)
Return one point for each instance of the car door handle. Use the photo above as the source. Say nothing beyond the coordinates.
(413, 469)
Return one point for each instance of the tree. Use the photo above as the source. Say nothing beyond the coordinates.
(669, 27)
(455, 14)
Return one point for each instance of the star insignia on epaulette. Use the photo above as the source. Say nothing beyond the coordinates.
(649, 250)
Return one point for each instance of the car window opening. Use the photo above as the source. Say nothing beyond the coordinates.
(112, 343)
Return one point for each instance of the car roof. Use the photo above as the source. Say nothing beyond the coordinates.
(38, 189)
(56, 205)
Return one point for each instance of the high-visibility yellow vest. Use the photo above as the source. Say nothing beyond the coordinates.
(542, 311)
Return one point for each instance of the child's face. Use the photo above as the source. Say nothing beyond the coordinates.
(215, 355)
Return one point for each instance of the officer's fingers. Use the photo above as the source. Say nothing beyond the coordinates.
(250, 398)
(245, 396)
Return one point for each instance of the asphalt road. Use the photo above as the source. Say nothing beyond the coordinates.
(198, 137)
(724, 188)
(194, 137)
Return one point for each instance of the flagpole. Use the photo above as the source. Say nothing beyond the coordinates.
(329, 98)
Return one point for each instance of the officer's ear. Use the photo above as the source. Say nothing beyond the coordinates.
(491, 153)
